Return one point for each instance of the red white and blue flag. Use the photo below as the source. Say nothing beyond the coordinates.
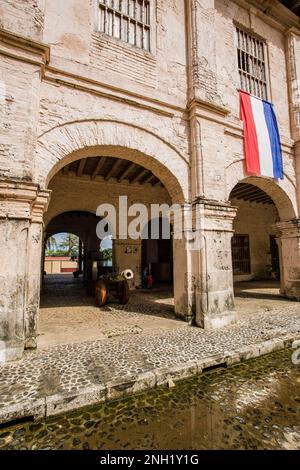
(261, 137)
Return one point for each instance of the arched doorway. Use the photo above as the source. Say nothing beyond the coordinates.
(157, 254)
(77, 191)
(110, 139)
(258, 264)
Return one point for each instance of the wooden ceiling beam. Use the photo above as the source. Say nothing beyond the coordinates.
(99, 166)
(65, 169)
(149, 178)
(245, 192)
(142, 172)
(262, 198)
(126, 172)
(81, 167)
(113, 168)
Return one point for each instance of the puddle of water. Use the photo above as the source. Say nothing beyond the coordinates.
(254, 405)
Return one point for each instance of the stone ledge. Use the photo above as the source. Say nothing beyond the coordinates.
(22, 48)
(61, 403)
(35, 409)
(65, 402)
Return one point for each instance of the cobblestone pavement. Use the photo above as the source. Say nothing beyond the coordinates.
(66, 376)
(67, 315)
(253, 405)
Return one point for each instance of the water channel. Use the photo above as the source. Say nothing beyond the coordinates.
(253, 405)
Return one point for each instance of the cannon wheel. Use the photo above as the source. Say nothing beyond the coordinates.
(100, 293)
(123, 292)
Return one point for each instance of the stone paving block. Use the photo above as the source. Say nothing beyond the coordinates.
(118, 388)
(175, 373)
(212, 361)
(35, 409)
(61, 403)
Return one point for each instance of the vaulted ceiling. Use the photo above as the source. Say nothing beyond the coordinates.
(250, 193)
(293, 5)
(111, 168)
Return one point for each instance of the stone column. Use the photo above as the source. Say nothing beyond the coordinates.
(128, 255)
(202, 50)
(212, 265)
(293, 69)
(35, 257)
(183, 280)
(207, 112)
(288, 239)
(17, 227)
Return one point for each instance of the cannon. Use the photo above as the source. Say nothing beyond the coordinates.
(113, 285)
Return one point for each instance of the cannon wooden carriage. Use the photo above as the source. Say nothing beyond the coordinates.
(113, 286)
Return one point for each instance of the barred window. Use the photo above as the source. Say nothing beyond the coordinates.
(251, 64)
(127, 20)
(240, 248)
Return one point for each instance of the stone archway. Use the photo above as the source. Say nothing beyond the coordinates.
(56, 148)
(78, 141)
(73, 141)
(270, 213)
(282, 192)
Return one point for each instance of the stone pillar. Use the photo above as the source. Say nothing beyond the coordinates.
(202, 36)
(35, 259)
(288, 239)
(18, 278)
(293, 70)
(207, 112)
(128, 255)
(183, 280)
(212, 265)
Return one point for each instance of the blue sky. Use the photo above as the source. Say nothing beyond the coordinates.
(59, 237)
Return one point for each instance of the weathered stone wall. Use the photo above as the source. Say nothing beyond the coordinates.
(145, 90)
(18, 114)
(77, 46)
(215, 80)
(25, 17)
(94, 121)
(69, 92)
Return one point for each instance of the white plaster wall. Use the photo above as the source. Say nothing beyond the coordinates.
(25, 17)
(70, 30)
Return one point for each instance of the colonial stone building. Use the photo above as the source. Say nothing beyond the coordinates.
(139, 97)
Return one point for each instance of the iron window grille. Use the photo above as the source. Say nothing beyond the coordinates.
(240, 247)
(126, 20)
(251, 57)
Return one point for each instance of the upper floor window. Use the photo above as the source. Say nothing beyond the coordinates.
(252, 64)
(128, 20)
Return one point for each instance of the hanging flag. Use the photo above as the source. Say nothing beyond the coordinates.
(261, 137)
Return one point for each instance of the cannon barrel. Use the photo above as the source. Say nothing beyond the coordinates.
(113, 285)
(125, 275)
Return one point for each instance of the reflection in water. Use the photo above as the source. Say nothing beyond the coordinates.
(254, 405)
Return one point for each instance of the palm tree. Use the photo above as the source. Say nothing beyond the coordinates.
(51, 244)
(70, 244)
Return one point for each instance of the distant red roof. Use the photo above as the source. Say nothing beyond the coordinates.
(58, 258)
